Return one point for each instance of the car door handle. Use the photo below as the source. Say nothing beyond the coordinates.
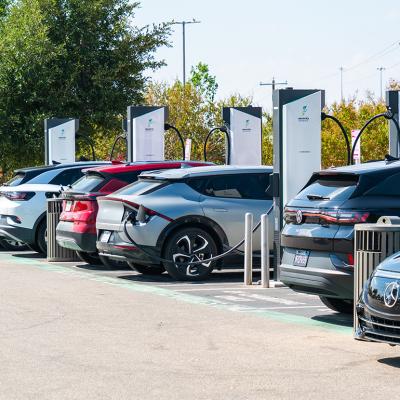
(220, 209)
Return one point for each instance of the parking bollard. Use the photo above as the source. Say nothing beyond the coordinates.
(264, 252)
(248, 249)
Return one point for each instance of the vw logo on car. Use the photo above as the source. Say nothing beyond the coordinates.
(299, 217)
(391, 294)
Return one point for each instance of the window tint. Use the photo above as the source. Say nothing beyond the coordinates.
(238, 186)
(16, 180)
(87, 183)
(67, 177)
(129, 177)
(140, 187)
(330, 188)
(388, 187)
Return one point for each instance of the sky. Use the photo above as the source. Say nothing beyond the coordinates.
(301, 42)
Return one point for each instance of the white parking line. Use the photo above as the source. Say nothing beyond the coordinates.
(210, 289)
(287, 308)
(233, 298)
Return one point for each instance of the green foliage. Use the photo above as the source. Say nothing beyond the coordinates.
(353, 115)
(203, 81)
(70, 58)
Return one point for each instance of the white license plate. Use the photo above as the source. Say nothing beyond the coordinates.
(105, 236)
(301, 258)
(68, 206)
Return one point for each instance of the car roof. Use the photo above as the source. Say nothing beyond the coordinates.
(204, 171)
(364, 168)
(45, 168)
(143, 165)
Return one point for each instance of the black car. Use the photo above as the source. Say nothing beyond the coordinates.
(378, 309)
(317, 239)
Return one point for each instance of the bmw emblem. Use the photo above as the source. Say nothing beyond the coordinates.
(391, 294)
(299, 216)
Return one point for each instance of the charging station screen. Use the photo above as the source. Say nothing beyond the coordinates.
(61, 141)
(301, 150)
(148, 136)
(245, 138)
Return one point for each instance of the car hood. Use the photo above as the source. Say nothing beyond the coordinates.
(39, 187)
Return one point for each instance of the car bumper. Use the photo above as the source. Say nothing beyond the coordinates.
(374, 326)
(69, 239)
(321, 282)
(18, 233)
(128, 252)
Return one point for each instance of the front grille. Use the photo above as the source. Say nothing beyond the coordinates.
(380, 329)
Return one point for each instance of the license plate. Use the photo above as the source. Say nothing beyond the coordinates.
(105, 236)
(301, 258)
(68, 206)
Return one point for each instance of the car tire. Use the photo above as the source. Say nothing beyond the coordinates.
(41, 237)
(190, 244)
(147, 270)
(112, 264)
(338, 305)
(12, 245)
(34, 247)
(89, 258)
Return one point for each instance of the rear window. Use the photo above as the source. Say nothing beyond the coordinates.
(334, 187)
(389, 186)
(140, 187)
(16, 180)
(87, 183)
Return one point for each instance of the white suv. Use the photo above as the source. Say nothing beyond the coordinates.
(23, 207)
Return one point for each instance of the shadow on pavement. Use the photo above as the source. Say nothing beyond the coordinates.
(101, 267)
(30, 255)
(391, 362)
(335, 319)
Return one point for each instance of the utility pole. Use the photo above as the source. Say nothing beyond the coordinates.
(273, 83)
(341, 84)
(184, 23)
(381, 69)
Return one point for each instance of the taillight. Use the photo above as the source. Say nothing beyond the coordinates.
(316, 216)
(18, 196)
(350, 259)
(79, 210)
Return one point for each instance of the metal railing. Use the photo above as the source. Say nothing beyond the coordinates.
(54, 251)
(372, 244)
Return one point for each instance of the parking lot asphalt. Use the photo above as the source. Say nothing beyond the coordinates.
(74, 331)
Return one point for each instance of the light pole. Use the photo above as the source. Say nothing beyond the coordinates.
(273, 83)
(184, 23)
(381, 69)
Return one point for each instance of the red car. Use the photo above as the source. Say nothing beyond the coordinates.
(77, 227)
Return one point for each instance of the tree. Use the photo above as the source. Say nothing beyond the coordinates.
(75, 58)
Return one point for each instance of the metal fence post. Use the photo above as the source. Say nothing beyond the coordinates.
(264, 252)
(248, 249)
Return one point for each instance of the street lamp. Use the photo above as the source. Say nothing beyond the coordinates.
(184, 23)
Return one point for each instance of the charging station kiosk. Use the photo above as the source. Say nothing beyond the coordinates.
(145, 133)
(245, 135)
(392, 101)
(60, 136)
(297, 147)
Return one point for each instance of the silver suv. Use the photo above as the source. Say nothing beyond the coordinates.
(168, 219)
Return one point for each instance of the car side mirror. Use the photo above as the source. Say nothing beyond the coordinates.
(273, 188)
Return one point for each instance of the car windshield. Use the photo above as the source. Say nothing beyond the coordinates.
(16, 180)
(87, 183)
(140, 187)
(334, 187)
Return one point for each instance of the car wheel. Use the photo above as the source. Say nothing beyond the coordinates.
(190, 244)
(89, 258)
(338, 305)
(147, 270)
(12, 245)
(112, 264)
(41, 237)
